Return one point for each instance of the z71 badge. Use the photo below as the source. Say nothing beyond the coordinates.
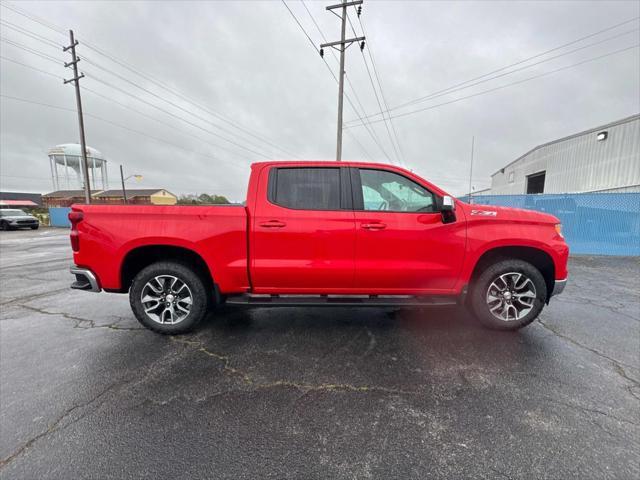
(484, 213)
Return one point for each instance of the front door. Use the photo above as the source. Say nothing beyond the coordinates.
(303, 234)
(402, 244)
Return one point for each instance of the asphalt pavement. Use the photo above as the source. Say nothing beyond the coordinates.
(340, 393)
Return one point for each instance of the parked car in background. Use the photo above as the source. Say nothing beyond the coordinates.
(11, 219)
(322, 233)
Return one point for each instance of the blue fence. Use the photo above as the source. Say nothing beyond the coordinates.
(58, 217)
(592, 223)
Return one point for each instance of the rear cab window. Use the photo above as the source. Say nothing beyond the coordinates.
(309, 188)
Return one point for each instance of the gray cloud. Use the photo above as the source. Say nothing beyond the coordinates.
(250, 62)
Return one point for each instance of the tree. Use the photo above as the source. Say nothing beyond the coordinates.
(202, 199)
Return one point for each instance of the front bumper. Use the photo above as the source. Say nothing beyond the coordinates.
(85, 279)
(558, 287)
(23, 223)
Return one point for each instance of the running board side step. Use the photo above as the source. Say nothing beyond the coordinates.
(339, 300)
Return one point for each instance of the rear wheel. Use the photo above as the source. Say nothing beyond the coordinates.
(168, 297)
(508, 295)
(34, 227)
(4, 226)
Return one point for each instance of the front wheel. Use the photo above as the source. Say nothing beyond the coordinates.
(168, 298)
(508, 295)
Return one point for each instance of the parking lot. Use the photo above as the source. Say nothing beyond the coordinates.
(86, 392)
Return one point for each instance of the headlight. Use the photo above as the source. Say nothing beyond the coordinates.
(559, 229)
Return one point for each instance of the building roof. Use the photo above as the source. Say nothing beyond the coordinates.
(115, 193)
(17, 203)
(134, 192)
(64, 194)
(579, 134)
(14, 196)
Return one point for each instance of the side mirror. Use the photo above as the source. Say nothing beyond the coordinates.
(448, 204)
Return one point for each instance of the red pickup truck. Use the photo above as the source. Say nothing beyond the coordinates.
(322, 233)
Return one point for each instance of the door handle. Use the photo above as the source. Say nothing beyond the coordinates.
(273, 224)
(374, 226)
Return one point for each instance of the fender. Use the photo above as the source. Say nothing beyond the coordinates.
(480, 248)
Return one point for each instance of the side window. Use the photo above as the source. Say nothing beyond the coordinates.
(305, 188)
(382, 190)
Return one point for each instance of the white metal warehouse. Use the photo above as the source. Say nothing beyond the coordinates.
(602, 159)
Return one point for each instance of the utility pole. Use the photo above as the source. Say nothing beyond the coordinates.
(76, 81)
(124, 192)
(473, 139)
(343, 44)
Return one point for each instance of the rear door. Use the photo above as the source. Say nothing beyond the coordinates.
(402, 244)
(303, 231)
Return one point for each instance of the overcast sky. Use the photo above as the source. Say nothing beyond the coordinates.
(250, 63)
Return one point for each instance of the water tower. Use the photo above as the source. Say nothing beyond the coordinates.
(68, 156)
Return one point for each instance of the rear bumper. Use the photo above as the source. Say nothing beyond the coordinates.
(85, 280)
(558, 287)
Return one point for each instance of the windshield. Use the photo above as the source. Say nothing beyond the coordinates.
(12, 213)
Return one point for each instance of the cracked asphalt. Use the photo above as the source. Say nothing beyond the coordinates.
(85, 392)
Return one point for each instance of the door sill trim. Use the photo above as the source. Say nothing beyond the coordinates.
(288, 300)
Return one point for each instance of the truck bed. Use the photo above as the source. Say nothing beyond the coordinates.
(217, 233)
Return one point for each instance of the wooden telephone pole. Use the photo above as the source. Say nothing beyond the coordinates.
(343, 44)
(76, 81)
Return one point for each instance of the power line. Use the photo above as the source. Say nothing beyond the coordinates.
(31, 34)
(48, 179)
(31, 67)
(262, 154)
(507, 85)
(353, 90)
(153, 80)
(96, 78)
(375, 70)
(56, 107)
(333, 75)
(453, 90)
(192, 102)
(585, 37)
(329, 68)
(375, 92)
(540, 55)
(93, 47)
(112, 100)
(30, 50)
(124, 105)
(342, 44)
(173, 128)
(166, 112)
(90, 62)
(33, 18)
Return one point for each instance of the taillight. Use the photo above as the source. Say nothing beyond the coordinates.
(75, 218)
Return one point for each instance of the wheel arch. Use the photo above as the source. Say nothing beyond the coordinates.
(140, 257)
(535, 256)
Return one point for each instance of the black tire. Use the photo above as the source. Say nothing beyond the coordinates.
(4, 226)
(34, 227)
(196, 287)
(479, 295)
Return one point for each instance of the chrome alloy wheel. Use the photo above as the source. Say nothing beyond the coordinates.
(166, 299)
(511, 296)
